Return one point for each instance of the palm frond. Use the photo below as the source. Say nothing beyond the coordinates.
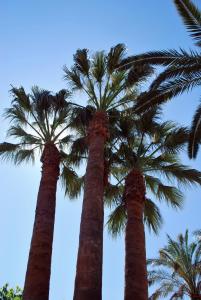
(25, 137)
(165, 58)
(98, 66)
(174, 72)
(191, 16)
(73, 78)
(195, 134)
(24, 156)
(82, 62)
(21, 99)
(183, 174)
(8, 150)
(117, 220)
(171, 195)
(115, 57)
(71, 182)
(139, 74)
(152, 216)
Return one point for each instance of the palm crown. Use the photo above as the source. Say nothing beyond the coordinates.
(37, 119)
(177, 269)
(182, 71)
(153, 148)
(97, 76)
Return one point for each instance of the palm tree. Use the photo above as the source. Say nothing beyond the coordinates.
(177, 270)
(149, 154)
(106, 90)
(7, 293)
(182, 71)
(40, 121)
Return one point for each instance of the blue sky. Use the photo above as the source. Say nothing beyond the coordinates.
(37, 39)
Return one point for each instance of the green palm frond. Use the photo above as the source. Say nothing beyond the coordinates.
(152, 216)
(191, 16)
(27, 138)
(175, 72)
(171, 195)
(195, 134)
(115, 57)
(73, 77)
(117, 221)
(98, 66)
(183, 174)
(21, 99)
(138, 74)
(8, 150)
(24, 155)
(71, 182)
(165, 58)
(177, 268)
(176, 140)
(82, 61)
(113, 194)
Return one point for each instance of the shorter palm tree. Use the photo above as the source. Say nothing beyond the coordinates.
(177, 270)
(148, 159)
(39, 123)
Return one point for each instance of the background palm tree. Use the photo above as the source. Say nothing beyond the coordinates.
(182, 71)
(147, 153)
(106, 89)
(7, 293)
(39, 123)
(177, 270)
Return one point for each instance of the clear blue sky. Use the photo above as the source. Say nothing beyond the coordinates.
(37, 39)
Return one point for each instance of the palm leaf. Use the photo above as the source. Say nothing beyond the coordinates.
(115, 57)
(117, 220)
(8, 150)
(195, 134)
(191, 16)
(152, 216)
(24, 155)
(82, 63)
(71, 182)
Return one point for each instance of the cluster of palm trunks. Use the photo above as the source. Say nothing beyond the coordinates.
(88, 282)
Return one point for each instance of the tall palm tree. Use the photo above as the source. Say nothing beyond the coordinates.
(39, 122)
(177, 269)
(149, 154)
(182, 71)
(106, 89)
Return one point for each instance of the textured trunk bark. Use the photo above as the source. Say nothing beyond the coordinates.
(88, 281)
(195, 297)
(39, 263)
(136, 287)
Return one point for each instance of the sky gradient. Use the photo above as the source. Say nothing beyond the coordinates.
(37, 39)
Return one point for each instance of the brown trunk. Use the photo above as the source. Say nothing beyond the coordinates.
(136, 287)
(39, 262)
(88, 281)
(195, 297)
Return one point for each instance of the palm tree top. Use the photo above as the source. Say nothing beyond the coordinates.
(153, 148)
(97, 76)
(177, 269)
(37, 119)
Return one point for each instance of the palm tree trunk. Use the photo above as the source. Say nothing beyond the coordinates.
(88, 281)
(195, 297)
(136, 287)
(39, 262)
